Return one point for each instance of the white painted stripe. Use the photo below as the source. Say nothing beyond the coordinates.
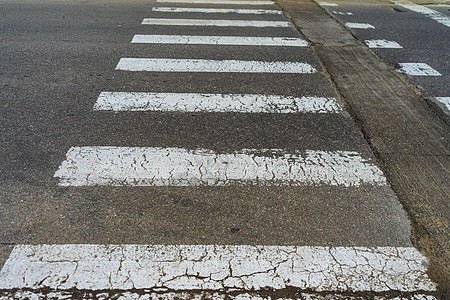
(219, 40)
(142, 166)
(327, 4)
(188, 102)
(217, 10)
(417, 69)
(382, 44)
(445, 101)
(434, 15)
(197, 295)
(235, 2)
(359, 25)
(213, 66)
(215, 268)
(343, 13)
(218, 23)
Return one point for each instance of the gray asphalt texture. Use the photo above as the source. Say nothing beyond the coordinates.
(57, 57)
(423, 40)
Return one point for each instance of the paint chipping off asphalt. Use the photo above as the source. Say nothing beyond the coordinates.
(147, 166)
(219, 23)
(215, 268)
(213, 66)
(417, 69)
(191, 102)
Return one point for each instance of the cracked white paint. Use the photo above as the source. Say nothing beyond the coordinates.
(432, 14)
(218, 23)
(384, 44)
(417, 69)
(148, 166)
(219, 40)
(197, 295)
(217, 10)
(359, 25)
(235, 2)
(191, 102)
(215, 268)
(213, 66)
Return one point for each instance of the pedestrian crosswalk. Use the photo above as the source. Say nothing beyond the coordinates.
(187, 271)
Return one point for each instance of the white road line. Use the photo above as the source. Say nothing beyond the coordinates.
(343, 13)
(215, 268)
(444, 100)
(435, 15)
(417, 69)
(235, 2)
(217, 10)
(219, 40)
(327, 4)
(189, 102)
(212, 66)
(218, 23)
(142, 166)
(359, 25)
(382, 44)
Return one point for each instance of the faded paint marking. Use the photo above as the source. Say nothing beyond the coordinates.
(219, 40)
(215, 268)
(417, 69)
(445, 101)
(217, 10)
(142, 166)
(343, 13)
(235, 2)
(212, 66)
(359, 25)
(434, 15)
(218, 23)
(190, 102)
(327, 4)
(382, 44)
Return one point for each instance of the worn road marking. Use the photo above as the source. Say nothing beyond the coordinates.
(217, 10)
(243, 268)
(236, 2)
(219, 40)
(382, 44)
(218, 23)
(359, 25)
(444, 100)
(417, 69)
(343, 13)
(327, 4)
(190, 102)
(142, 166)
(435, 15)
(214, 66)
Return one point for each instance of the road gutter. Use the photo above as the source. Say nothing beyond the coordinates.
(410, 141)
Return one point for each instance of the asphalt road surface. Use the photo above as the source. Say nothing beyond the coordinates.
(146, 155)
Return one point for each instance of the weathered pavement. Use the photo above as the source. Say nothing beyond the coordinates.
(177, 176)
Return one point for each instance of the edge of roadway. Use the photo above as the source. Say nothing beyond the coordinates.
(411, 142)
